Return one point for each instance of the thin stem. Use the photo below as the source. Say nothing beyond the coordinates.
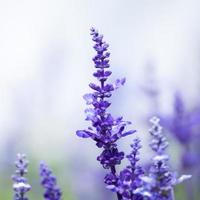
(113, 170)
(172, 194)
(188, 186)
(119, 196)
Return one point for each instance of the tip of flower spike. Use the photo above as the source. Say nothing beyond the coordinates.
(179, 106)
(154, 120)
(49, 183)
(92, 29)
(20, 185)
(22, 156)
(21, 164)
(94, 32)
(42, 163)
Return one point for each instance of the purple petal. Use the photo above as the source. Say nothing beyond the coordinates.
(108, 88)
(90, 114)
(95, 87)
(83, 133)
(128, 133)
(89, 98)
(107, 73)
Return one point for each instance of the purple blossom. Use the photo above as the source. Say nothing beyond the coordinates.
(128, 180)
(105, 129)
(110, 157)
(49, 183)
(160, 181)
(180, 123)
(132, 182)
(184, 125)
(20, 185)
(159, 142)
(133, 157)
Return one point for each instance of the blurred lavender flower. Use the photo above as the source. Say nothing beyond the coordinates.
(184, 125)
(49, 183)
(179, 123)
(151, 87)
(106, 129)
(20, 186)
(160, 180)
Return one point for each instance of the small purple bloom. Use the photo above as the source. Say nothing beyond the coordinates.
(49, 183)
(181, 125)
(20, 185)
(184, 124)
(129, 179)
(159, 142)
(160, 181)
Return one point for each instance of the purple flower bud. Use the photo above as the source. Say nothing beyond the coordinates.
(89, 98)
(162, 179)
(20, 185)
(95, 87)
(49, 183)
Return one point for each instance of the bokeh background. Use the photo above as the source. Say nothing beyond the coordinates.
(45, 68)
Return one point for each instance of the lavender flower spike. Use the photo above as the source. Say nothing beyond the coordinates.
(20, 186)
(48, 181)
(105, 130)
(162, 178)
(128, 181)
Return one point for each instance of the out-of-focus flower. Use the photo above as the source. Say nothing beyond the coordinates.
(49, 183)
(184, 125)
(20, 185)
(160, 180)
(179, 124)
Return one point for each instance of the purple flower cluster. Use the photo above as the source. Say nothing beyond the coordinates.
(132, 182)
(160, 181)
(49, 183)
(180, 122)
(159, 142)
(21, 186)
(129, 179)
(184, 125)
(105, 130)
